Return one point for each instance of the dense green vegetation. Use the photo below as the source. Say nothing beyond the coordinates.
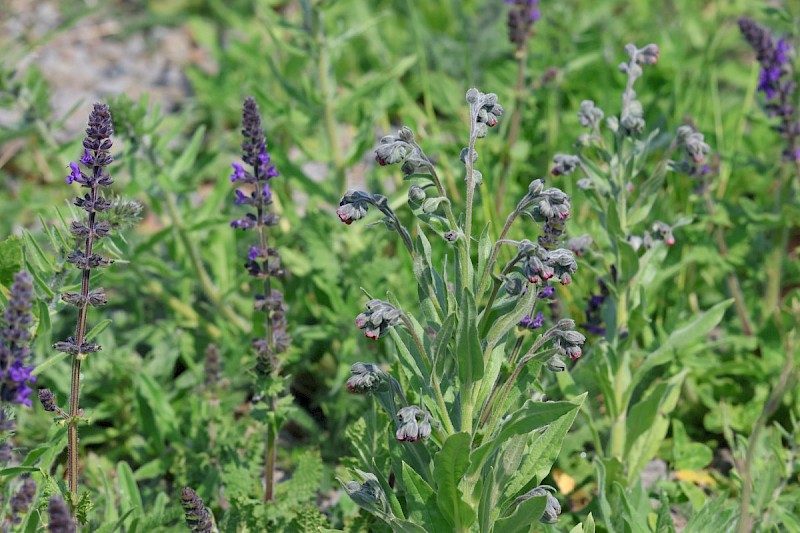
(680, 410)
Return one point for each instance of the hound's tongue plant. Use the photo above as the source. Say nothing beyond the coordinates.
(469, 446)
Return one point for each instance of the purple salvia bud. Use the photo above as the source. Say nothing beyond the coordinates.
(48, 400)
(520, 20)
(61, 520)
(197, 516)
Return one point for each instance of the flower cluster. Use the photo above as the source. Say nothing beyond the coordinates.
(263, 261)
(377, 319)
(631, 119)
(551, 206)
(552, 509)
(367, 494)
(255, 154)
(568, 341)
(775, 81)
(15, 376)
(521, 17)
(413, 424)
(197, 516)
(564, 164)
(96, 156)
(366, 377)
(488, 111)
(354, 206)
(541, 264)
(400, 148)
(594, 304)
(533, 322)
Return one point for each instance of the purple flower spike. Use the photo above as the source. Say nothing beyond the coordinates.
(87, 158)
(238, 172)
(240, 197)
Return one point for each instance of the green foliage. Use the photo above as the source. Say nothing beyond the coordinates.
(695, 372)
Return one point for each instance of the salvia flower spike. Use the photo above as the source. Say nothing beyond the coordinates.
(90, 173)
(197, 516)
(776, 82)
(15, 374)
(263, 263)
(60, 519)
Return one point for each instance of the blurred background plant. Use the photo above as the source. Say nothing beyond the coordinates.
(174, 74)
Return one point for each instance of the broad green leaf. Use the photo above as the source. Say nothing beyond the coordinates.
(10, 259)
(532, 415)
(684, 336)
(450, 464)
(421, 501)
(468, 345)
(542, 452)
(648, 422)
(129, 491)
(443, 336)
(629, 264)
(687, 455)
(508, 321)
(525, 516)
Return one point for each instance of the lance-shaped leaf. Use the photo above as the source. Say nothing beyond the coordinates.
(468, 345)
(449, 466)
(532, 415)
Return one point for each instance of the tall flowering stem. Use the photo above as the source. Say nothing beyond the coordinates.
(264, 263)
(96, 156)
(777, 83)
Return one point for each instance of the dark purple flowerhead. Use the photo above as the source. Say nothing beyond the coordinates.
(521, 17)
(14, 342)
(261, 170)
(61, 520)
(197, 516)
(774, 59)
(532, 322)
